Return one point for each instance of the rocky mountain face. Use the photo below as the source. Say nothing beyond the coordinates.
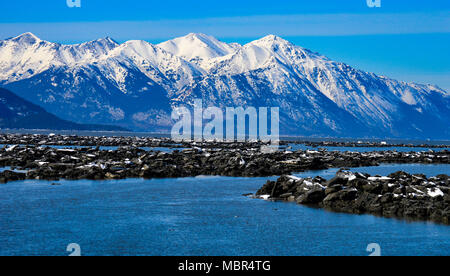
(18, 113)
(136, 84)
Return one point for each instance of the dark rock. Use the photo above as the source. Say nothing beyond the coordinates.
(348, 194)
(317, 164)
(358, 183)
(373, 188)
(286, 195)
(389, 197)
(337, 181)
(333, 189)
(332, 197)
(8, 176)
(266, 189)
(312, 197)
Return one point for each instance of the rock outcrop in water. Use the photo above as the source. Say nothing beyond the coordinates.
(31, 153)
(134, 141)
(400, 194)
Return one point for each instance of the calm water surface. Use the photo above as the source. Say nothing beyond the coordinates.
(295, 147)
(197, 216)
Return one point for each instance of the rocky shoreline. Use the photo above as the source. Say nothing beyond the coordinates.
(112, 141)
(50, 157)
(55, 157)
(398, 195)
(85, 141)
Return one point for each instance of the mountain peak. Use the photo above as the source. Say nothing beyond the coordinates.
(200, 39)
(270, 40)
(272, 37)
(27, 38)
(106, 41)
(92, 84)
(199, 36)
(198, 46)
(110, 40)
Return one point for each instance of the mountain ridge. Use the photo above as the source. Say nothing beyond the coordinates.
(316, 95)
(17, 113)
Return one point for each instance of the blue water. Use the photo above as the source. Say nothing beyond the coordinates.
(107, 148)
(295, 147)
(291, 147)
(10, 169)
(197, 216)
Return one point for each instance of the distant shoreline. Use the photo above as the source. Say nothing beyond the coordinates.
(313, 141)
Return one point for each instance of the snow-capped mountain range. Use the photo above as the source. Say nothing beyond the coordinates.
(135, 84)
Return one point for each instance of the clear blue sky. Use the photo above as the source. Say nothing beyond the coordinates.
(404, 39)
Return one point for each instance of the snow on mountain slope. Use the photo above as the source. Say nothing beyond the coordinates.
(98, 81)
(156, 63)
(27, 55)
(371, 99)
(198, 48)
(86, 95)
(131, 83)
(258, 54)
